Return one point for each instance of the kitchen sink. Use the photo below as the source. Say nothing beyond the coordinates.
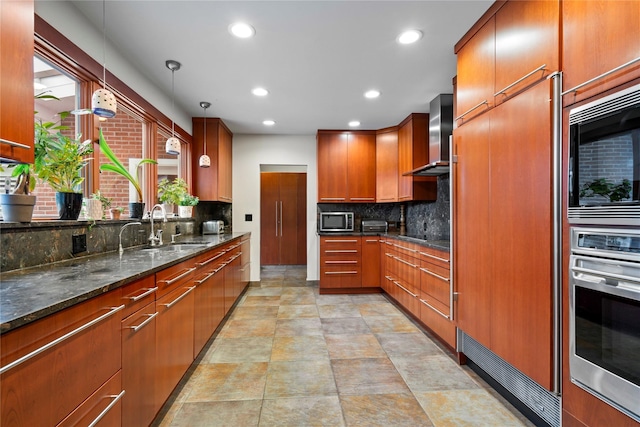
(177, 247)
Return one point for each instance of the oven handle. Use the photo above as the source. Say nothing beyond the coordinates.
(603, 274)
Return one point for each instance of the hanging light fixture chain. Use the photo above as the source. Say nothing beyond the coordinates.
(104, 44)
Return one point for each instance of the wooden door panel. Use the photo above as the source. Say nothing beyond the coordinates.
(370, 262)
(472, 222)
(521, 227)
(361, 167)
(269, 218)
(332, 166)
(387, 166)
(288, 183)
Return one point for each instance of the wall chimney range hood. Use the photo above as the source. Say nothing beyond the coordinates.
(440, 129)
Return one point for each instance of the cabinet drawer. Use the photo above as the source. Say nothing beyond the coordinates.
(408, 269)
(102, 408)
(434, 316)
(211, 261)
(51, 366)
(138, 294)
(340, 276)
(407, 297)
(406, 248)
(170, 278)
(435, 256)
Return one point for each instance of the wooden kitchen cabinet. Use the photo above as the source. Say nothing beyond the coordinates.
(598, 36)
(387, 165)
(413, 152)
(435, 289)
(212, 183)
(102, 409)
(16, 80)
(48, 387)
(346, 166)
(340, 262)
(208, 312)
(371, 261)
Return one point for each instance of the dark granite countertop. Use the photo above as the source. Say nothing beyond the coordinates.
(443, 245)
(30, 294)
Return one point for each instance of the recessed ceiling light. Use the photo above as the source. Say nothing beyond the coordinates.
(242, 30)
(260, 91)
(268, 123)
(372, 94)
(410, 36)
(354, 123)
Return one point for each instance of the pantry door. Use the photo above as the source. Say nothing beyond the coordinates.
(283, 234)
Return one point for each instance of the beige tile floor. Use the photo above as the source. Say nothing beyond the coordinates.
(288, 356)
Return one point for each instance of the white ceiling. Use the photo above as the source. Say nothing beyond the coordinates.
(317, 58)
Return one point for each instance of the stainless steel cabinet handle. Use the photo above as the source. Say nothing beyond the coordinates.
(542, 67)
(149, 291)
(435, 257)
(201, 281)
(141, 325)
(340, 241)
(276, 218)
(405, 262)
(180, 297)
(340, 272)
(14, 144)
(115, 398)
(434, 274)
(341, 262)
(175, 279)
(332, 198)
(57, 341)
(405, 289)
(575, 89)
(434, 309)
(405, 248)
(363, 198)
(280, 218)
(371, 241)
(485, 102)
(203, 263)
(341, 251)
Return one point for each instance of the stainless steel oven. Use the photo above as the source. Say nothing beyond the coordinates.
(604, 160)
(604, 315)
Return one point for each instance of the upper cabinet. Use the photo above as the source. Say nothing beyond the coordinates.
(512, 47)
(413, 152)
(387, 165)
(598, 36)
(346, 166)
(212, 183)
(16, 80)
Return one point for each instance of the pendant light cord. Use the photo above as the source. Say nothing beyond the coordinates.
(104, 44)
(205, 131)
(173, 101)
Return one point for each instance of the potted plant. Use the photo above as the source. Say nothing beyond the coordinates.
(97, 205)
(18, 205)
(171, 192)
(186, 204)
(136, 208)
(115, 213)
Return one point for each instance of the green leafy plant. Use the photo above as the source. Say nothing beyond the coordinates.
(62, 163)
(117, 167)
(106, 201)
(171, 191)
(188, 200)
(601, 187)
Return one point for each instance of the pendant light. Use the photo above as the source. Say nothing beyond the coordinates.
(173, 144)
(103, 102)
(205, 161)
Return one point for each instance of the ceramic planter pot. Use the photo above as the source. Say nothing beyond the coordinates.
(185, 211)
(168, 208)
(17, 207)
(136, 210)
(94, 208)
(114, 213)
(69, 205)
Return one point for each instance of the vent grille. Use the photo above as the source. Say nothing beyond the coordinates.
(615, 215)
(540, 400)
(606, 105)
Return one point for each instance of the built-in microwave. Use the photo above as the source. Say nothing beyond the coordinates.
(335, 221)
(604, 160)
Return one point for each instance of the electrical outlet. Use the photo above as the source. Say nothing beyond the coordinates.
(78, 243)
(248, 217)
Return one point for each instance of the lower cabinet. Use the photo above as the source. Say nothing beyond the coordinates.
(371, 251)
(340, 262)
(102, 408)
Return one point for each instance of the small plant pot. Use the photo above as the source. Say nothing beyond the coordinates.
(94, 208)
(136, 210)
(169, 208)
(115, 214)
(17, 207)
(69, 205)
(185, 211)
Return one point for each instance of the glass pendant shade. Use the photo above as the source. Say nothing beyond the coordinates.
(173, 146)
(103, 103)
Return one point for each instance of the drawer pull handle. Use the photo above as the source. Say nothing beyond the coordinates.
(542, 67)
(434, 309)
(116, 398)
(485, 102)
(575, 89)
(434, 274)
(389, 255)
(340, 241)
(363, 198)
(371, 241)
(175, 279)
(149, 291)
(341, 262)
(435, 257)
(180, 297)
(141, 325)
(341, 251)
(405, 262)
(405, 248)
(203, 263)
(332, 198)
(405, 289)
(340, 272)
(14, 144)
(57, 341)
(201, 281)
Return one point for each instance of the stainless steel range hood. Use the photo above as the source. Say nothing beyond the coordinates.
(440, 128)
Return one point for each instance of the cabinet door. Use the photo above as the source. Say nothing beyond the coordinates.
(527, 37)
(598, 36)
(361, 167)
(387, 166)
(473, 274)
(212, 183)
(332, 166)
(340, 262)
(102, 409)
(16, 80)
(225, 163)
(139, 406)
(413, 152)
(292, 237)
(205, 302)
(174, 339)
(520, 233)
(476, 71)
(370, 262)
(269, 218)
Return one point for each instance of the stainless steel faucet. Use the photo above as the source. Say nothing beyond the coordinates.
(120, 235)
(155, 239)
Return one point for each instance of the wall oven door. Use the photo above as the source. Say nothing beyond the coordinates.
(604, 310)
(604, 161)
